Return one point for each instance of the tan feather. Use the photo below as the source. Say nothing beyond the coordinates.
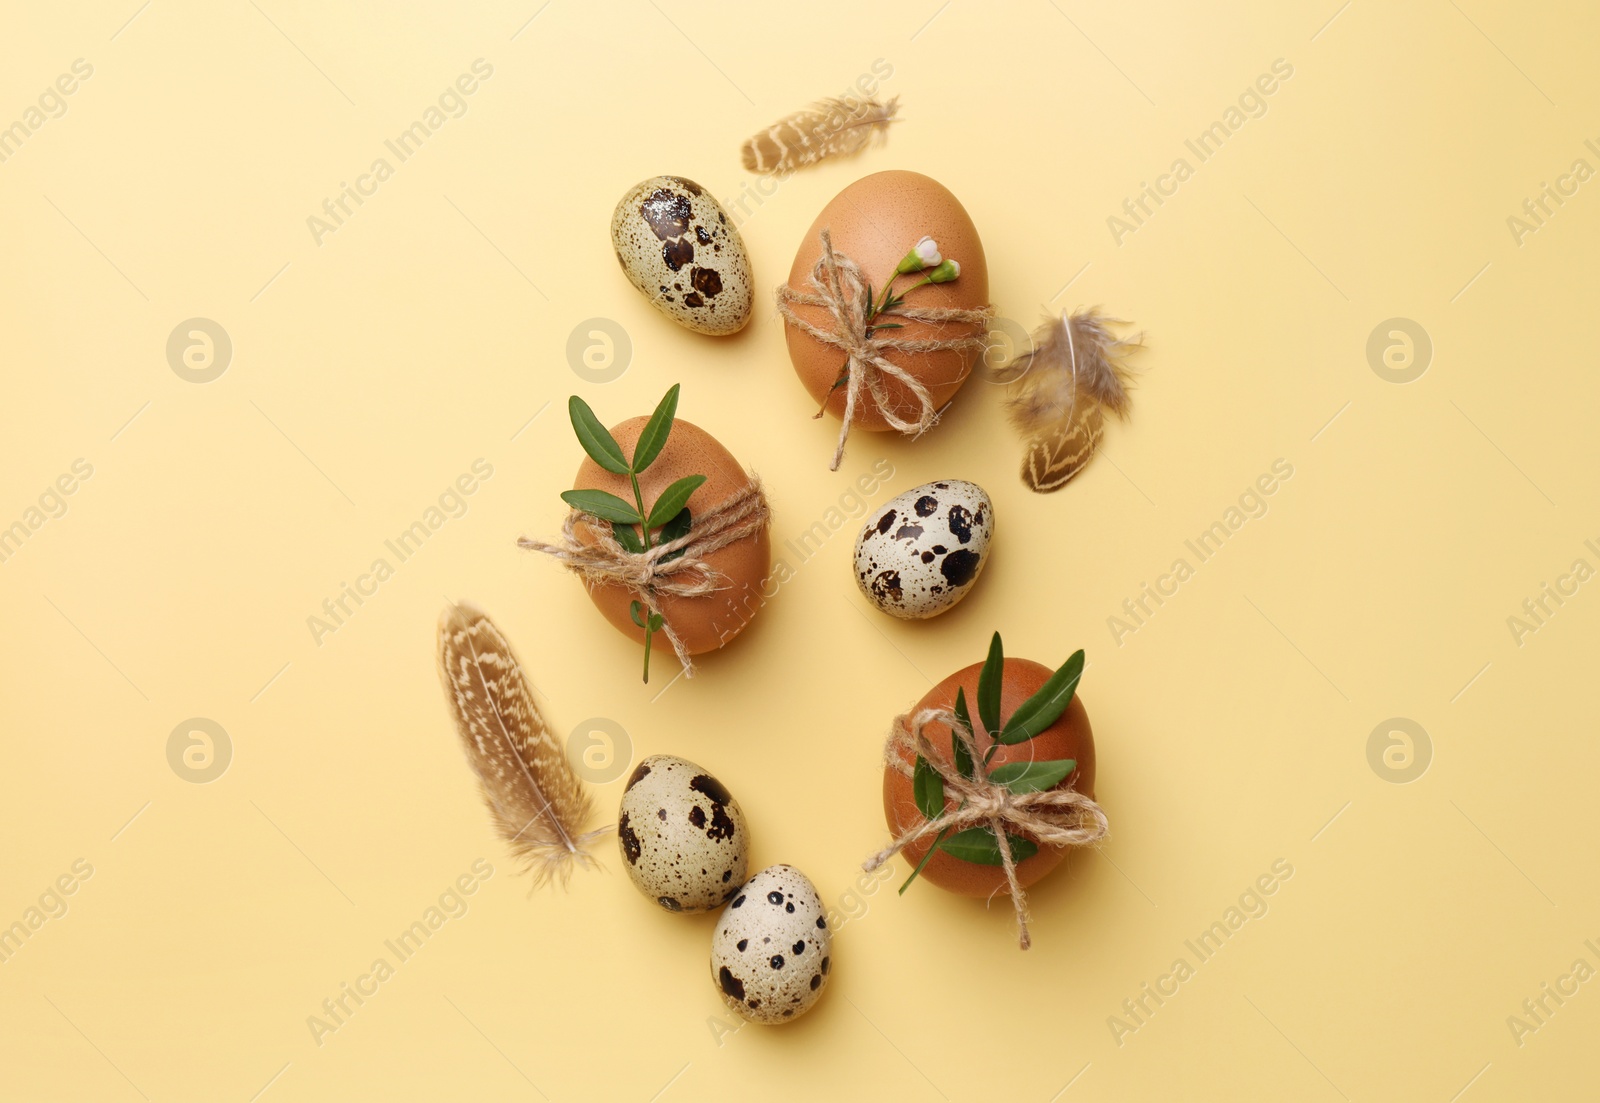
(1054, 457)
(536, 802)
(828, 128)
(1062, 389)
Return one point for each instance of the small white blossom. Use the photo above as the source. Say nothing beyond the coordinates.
(924, 254)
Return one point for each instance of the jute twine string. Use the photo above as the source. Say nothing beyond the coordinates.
(650, 574)
(840, 287)
(1056, 817)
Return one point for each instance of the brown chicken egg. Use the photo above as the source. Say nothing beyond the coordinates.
(875, 222)
(1068, 737)
(707, 622)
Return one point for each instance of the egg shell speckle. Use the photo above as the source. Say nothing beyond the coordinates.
(772, 950)
(923, 551)
(683, 836)
(677, 246)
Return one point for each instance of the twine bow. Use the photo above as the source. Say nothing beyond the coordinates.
(651, 574)
(842, 289)
(1054, 817)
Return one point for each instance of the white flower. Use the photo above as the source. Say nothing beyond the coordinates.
(924, 254)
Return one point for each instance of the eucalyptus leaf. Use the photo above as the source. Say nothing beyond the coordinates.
(673, 499)
(607, 507)
(979, 846)
(928, 789)
(989, 686)
(628, 537)
(958, 747)
(596, 439)
(1032, 777)
(654, 435)
(1046, 705)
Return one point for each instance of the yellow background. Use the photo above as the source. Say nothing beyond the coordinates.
(371, 370)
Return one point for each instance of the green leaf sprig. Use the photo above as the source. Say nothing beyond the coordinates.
(923, 255)
(668, 517)
(979, 844)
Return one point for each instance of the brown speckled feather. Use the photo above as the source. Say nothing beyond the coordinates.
(828, 128)
(1061, 391)
(536, 802)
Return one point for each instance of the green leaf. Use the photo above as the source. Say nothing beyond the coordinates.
(1046, 706)
(887, 325)
(654, 435)
(926, 858)
(656, 621)
(607, 507)
(1032, 777)
(989, 686)
(596, 439)
(673, 499)
(628, 537)
(678, 526)
(928, 789)
(979, 846)
(958, 746)
(636, 611)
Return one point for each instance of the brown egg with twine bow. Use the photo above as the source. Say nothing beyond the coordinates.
(989, 779)
(887, 304)
(667, 531)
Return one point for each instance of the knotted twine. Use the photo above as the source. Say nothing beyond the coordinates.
(1055, 817)
(650, 574)
(841, 288)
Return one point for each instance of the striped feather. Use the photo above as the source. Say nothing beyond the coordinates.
(536, 803)
(828, 128)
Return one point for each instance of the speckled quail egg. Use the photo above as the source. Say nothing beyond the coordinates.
(683, 837)
(676, 245)
(770, 955)
(924, 549)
